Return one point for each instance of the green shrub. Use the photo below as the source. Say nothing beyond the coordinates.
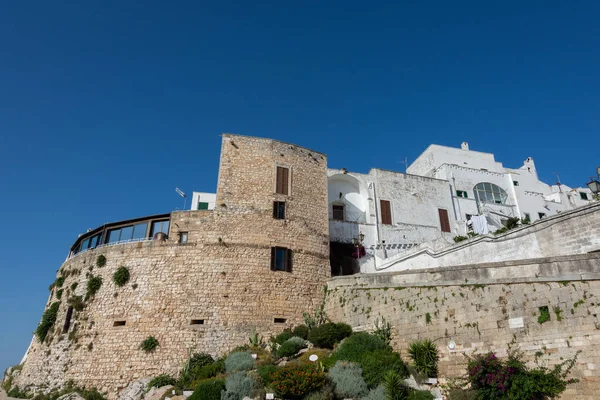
(265, 372)
(420, 395)
(493, 378)
(93, 285)
(149, 344)
(295, 381)
(121, 276)
(383, 330)
(239, 361)
(301, 331)
(328, 334)
(544, 314)
(377, 393)
(325, 393)
(291, 346)
(160, 381)
(76, 302)
(194, 369)
(282, 337)
(237, 386)
(322, 355)
(459, 238)
(395, 389)
(74, 286)
(377, 363)
(60, 281)
(17, 393)
(100, 261)
(424, 354)
(208, 390)
(47, 322)
(59, 293)
(347, 380)
(512, 223)
(353, 348)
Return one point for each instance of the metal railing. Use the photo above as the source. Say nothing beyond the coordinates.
(145, 239)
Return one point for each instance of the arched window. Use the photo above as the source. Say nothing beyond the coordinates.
(486, 192)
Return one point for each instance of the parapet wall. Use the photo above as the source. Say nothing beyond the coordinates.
(485, 308)
(571, 232)
(203, 296)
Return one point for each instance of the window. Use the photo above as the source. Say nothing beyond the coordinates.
(444, 221)
(119, 323)
(386, 212)
(583, 196)
(183, 237)
(68, 319)
(489, 193)
(279, 320)
(279, 209)
(338, 212)
(516, 183)
(160, 226)
(197, 322)
(461, 193)
(282, 181)
(281, 259)
(541, 215)
(202, 205)
(138, 231)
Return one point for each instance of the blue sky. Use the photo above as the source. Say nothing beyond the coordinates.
(106, 107)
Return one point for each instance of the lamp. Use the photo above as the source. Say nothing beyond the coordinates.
(594, 184)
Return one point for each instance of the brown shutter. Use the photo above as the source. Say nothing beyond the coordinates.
(386, 212)
(444, 221)
(285, 181)
(278, 180)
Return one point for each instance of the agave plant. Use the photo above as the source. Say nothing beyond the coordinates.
(395, 389)
(424, 354)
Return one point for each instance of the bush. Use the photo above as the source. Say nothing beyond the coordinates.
(420, 395)
(353, 348)
(301, 331)
(424, 353)
(395, 389)
(239, 361)
(47, 322)
(377, 393)
(295, 381)
(208, 390)
(282, 337)
(327, 335)
(193, 369)
(121, 276)
(347, 380)
(17, 393)
(237, 386)
(493, 378)
(149, 344)
(376, 364)
(93, 285)
(322, 354)
(513, 222)
(76, 302)
(265, 372)
(383, 331)
(325, 393)
(160, 381)
(291, 346)
(459, 238)
(100, 261)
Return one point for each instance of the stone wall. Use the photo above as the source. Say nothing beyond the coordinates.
(221, 277)
(468, 305)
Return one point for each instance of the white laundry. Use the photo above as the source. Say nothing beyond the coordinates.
(480, 225)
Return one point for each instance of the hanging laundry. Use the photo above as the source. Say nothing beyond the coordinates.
(480, 225)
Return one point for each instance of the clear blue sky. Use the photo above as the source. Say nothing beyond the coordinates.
(106, 108)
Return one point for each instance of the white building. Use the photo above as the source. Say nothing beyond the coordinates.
(394, 212)
(483, 186)
(203, 201)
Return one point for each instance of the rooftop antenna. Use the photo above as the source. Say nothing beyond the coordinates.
(405, 162)
(558, 182)
(179, 192)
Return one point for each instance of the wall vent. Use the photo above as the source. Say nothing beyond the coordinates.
(119, 323)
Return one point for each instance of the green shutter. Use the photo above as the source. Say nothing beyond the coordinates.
(202, 206)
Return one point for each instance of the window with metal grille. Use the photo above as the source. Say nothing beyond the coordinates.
(337, 212)
(281, 259)
(279, 209)
(282, 180)
(444, 220)
(386, 212)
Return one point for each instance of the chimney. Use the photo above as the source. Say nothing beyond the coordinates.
(464, 146)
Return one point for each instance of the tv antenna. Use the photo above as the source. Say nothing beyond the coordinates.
(558, 182)
(179, 192)
(405, 162)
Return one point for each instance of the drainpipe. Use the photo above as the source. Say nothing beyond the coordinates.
(377, 219)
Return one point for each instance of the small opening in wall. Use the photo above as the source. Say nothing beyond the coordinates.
(67, 324)
(119, 323)
(197, 322)
(279, 320)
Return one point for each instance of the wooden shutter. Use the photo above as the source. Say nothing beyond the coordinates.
(386, 212)
(444, 221)
(282, 180)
